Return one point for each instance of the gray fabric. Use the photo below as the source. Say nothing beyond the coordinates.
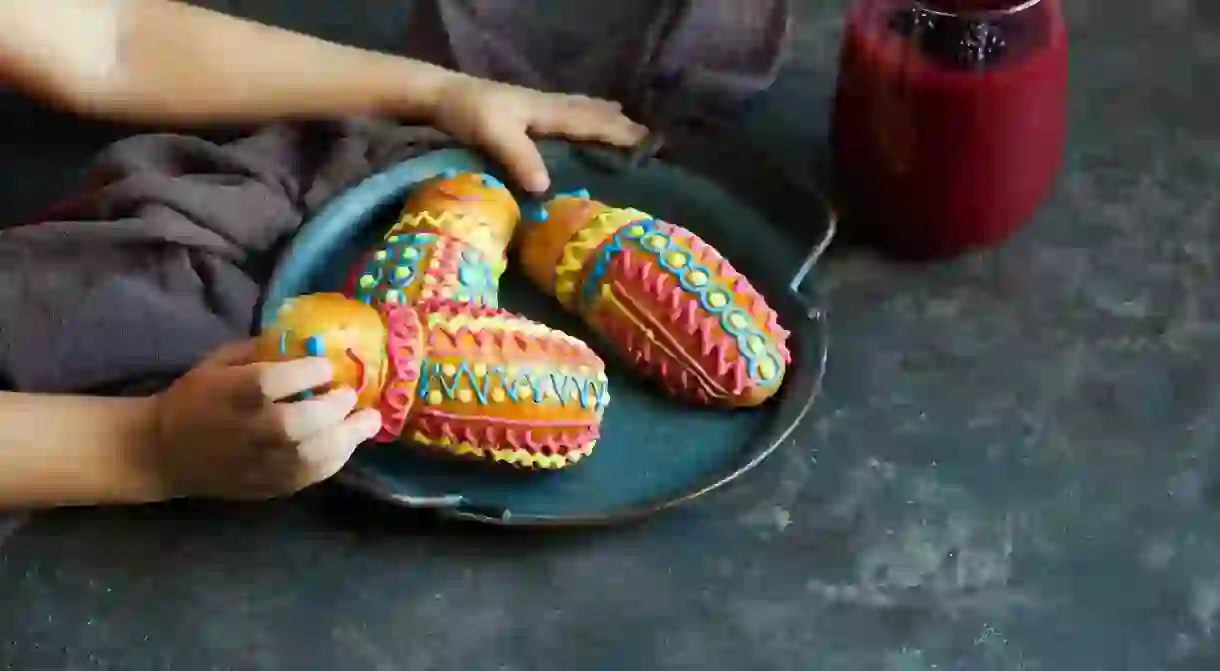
(163, 257)
(713, 55)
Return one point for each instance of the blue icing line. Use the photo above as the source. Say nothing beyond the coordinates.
(313, 346)
(395, 248)
(534, 211)
(588, 291)
(491, 182)
(476, 277)
(576, 193)
(284, 342)
(590, 393)
(470, 275)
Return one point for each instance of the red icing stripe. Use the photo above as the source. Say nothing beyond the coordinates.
(360, 370)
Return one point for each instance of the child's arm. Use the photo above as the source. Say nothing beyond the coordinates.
(167, 62)
(219, 431)
(65, 450)
(163, 61)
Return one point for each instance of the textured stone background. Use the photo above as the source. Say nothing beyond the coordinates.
(1013, 465)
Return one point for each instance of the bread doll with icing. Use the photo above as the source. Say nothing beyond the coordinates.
(450, 241)
(668, 302)
(456, 380)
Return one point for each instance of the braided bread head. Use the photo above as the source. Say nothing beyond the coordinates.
(375, 349)
(474, 207)
(349, 333)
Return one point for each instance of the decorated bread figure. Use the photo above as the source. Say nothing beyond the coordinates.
(666, 300)
(450, 241)
(457, 380)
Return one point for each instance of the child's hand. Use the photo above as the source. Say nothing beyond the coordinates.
(500, 117)
(222, 433)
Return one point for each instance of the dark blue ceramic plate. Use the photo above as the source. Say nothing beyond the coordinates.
(654, 452)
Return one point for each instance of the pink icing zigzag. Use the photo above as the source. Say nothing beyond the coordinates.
(557, 438)
(510, 344)
(754, 301)
(638, 274)
(404, 338)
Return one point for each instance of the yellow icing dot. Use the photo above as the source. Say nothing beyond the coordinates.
(380, 255)
(756, 344)
(392, 239)
(410, 253)
(738, 320)
(635, 231)
(676, 259)
(697, 278)
(767, 368)
(435, 396)
(511, 372)
(393, 296)
(402, 272)
(498, 395)
(465, 395)
(429, 279)
(575, 394)
(435, 264)
(655, 242)
(525, 391)
(427, 293)
(583, 371)
(449, 370)
(367, 281)
(717, 300)
(479, 369)
(447, 292)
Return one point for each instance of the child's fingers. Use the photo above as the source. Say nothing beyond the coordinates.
(515, 150)
(272, 381)
(300, 420)
(580, 118)
(327, 451)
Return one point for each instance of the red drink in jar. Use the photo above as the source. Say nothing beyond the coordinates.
(949, 120)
